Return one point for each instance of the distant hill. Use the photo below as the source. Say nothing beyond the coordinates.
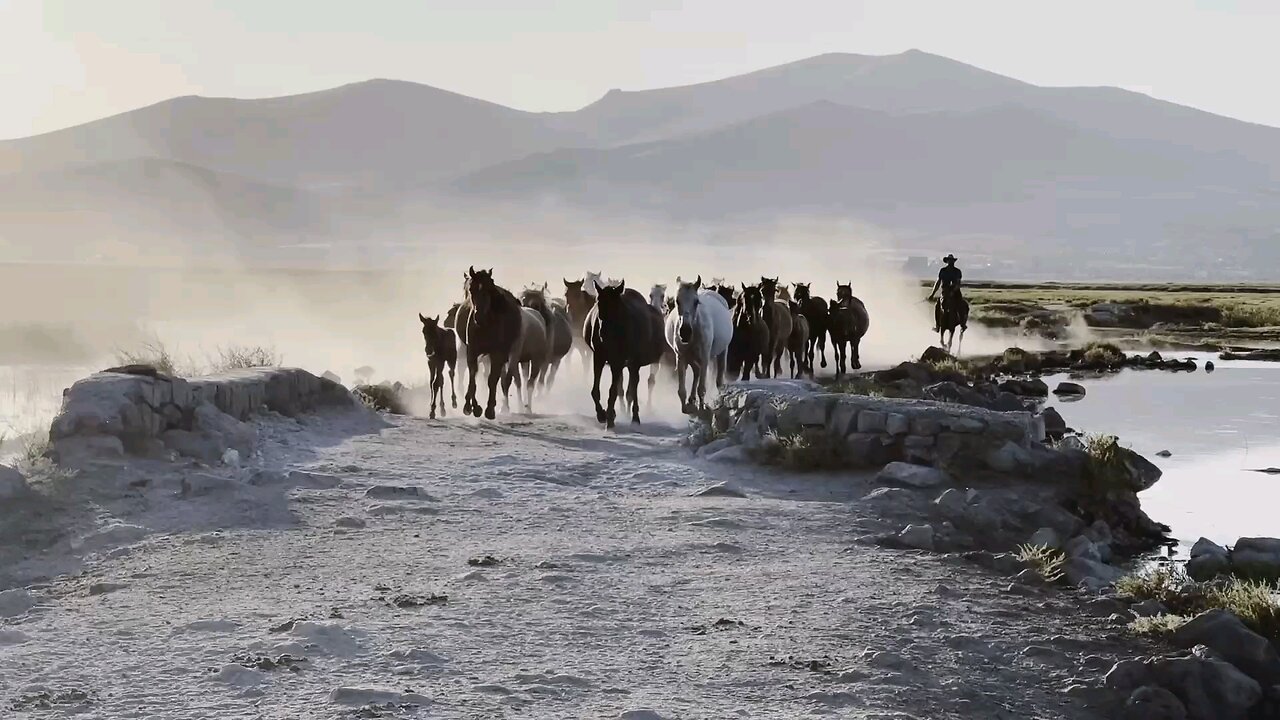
(922, 145)
(380, 133)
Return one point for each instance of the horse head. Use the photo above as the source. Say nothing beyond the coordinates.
(687, 305)
(753, 299)
(430, 331)
(480, 290)
(844, 293)
(609, 298)
(591, 283)
(769, 288)
(658, 296)
(802, 291)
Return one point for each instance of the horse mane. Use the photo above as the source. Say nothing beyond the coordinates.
(451, 317)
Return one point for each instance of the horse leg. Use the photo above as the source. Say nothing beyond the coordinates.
(508, 370)
(633, 393)
(654, 369)
(722, 361)
(497, 367)
(595, 387)
(616, 370)
(453, 387)
(541, 370)
(681, 364)
(469, 404)
(857, 356)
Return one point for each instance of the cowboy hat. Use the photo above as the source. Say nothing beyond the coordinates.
(949, 258)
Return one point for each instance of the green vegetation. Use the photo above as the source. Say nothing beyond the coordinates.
(1253, 601)
(1046, 561)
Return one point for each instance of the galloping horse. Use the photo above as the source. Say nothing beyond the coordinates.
(778, 316)
(579, 302)
(749, 349)
(849, 322)
(816, 310)
(497, 326)
(699, 330)
(625, 333)
(441, 345)
(559, 329)
(798, 345)
(951, 311)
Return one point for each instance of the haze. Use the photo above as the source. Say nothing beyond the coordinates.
(72, 61)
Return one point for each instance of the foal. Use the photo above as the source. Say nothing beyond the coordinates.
(442, 348)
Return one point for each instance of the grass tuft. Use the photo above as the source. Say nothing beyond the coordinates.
(1102, 353)
(153, 354)
(240, 357)
(1157, 625)
(1255, 602)
(808, 450)
(1046, 561)
(381, 398)
(1106, 469)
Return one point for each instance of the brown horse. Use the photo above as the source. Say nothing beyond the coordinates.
(818, 313)
(749, 349)
(950, 312)
(579, 302)
(798, 345)
(778, 317)
(442, 349)
(559, 329)
(491, 323)
(625, 333)
(849, 322)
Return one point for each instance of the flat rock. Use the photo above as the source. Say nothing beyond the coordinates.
(15, 602)
(909, 475)
(1069, 388)
(723, 489)
(920, 537)
(365, 696)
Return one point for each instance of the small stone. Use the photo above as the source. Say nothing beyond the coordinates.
(1069, 388)
(919, 537)
(102, 588)
(1149, 608)
(350, 522)
(917, 476)
(723, 489)
(1164, 454)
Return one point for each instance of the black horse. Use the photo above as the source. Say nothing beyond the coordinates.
(816, 311)
(849, 322)
(624, 332)
(950, 312)
(442, 349)
(749, 348)
(493, 327)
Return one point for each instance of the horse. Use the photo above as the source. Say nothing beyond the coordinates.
(659, 301)
(658, 297)
(817, 312)
(798, 345)
(559, 330)
(849, 322)
(699, 330)
(442, 349)
(951, 311)
(579, 302)
(496, 325)
(778, 317)
(749, 348)
(726, 292)
(625, 333)
(591, 281)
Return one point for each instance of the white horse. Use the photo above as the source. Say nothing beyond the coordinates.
(699, 330)
(591, 281)
(658, 298)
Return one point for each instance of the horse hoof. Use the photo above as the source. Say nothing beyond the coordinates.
(600, 416)
(489, 414)
(455, 404)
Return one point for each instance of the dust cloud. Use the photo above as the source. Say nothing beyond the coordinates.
(362, 307)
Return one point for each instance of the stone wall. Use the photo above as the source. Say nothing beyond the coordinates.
(873, 431)
(138, 411)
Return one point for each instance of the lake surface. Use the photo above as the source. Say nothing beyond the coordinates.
(1218, 426)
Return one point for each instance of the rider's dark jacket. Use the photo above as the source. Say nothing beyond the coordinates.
(949, 276)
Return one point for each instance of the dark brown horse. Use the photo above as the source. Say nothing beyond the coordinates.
(726, 292)
(849, 322)
(817, 312)
(579, 302)
(441, 346)
(749, 349)
(951, 311)
(798, 345)
(625, 333)
(493, 327)
(778, 317)
(559, 329)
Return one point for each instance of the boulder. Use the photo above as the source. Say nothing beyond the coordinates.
(1082, 547)
(1046, 537)
(934, 355)
(205, 447)
(1205, 546)
(1069, 388)
(1209, 688)
(1226, 635)
(909, 475)
(1009, 458)
(1256, 558)
(1054, 426)
(1083, 570)
(1208, 560)
(1151, 702)
(12, 483)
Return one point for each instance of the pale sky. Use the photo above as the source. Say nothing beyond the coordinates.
(64, 62)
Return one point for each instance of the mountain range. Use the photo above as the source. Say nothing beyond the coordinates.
(931, 149)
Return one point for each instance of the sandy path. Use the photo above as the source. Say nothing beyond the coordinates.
(617, 592)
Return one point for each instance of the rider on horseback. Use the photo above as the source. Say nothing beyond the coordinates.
(949, 277)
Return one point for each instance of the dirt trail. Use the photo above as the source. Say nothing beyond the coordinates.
(616, 592)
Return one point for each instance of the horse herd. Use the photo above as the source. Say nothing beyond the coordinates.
(712, 328)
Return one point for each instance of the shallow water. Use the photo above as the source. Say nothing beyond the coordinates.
(1218, 426)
